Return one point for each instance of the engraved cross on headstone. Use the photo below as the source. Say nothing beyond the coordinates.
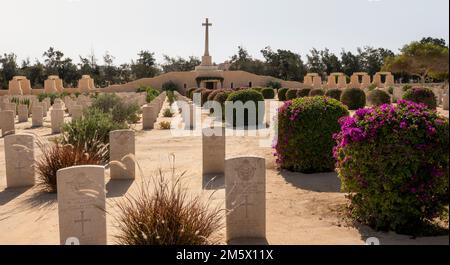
(245, 204)
(82, 220)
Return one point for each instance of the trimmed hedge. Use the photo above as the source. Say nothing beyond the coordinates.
(393, 161)
(245, 96)
(421, 95)
(316, 92)
(268, 93)
(282, 93)
(305, 129)
(378, 97)
(291, 93)
(334, 93)
(303, 92)
(353, 98)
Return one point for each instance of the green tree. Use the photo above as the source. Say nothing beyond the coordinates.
(315, 64)
(350, 63)
(284, 64)
(421, 59)
(35, 73)
(178, 64)
(330, 61)
(9, 68)
(145, 65)
(56, 64)
(372, 59)
(242, 61)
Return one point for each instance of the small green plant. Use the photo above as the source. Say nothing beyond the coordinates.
(378, 97)
(171, 97)
(164, 125)
(121, 112)
(353, 98)
(91, 133)
(167, 113)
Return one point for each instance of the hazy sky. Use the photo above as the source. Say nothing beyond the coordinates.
(173, 27)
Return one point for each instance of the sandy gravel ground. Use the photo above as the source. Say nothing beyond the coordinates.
(301, 209)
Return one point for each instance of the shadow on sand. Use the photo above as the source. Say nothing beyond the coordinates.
(117, 188)
(318, 182)
(8, 195)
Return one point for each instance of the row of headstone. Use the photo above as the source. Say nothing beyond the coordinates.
(151, 111)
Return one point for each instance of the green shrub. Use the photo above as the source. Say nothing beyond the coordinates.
(378, 97)
(421, 95)
(282, 94)
(268, 93)
(152, 93)
(222, 96)
(274, 84)
(91, 133)
(170, 86)
(334, 93)
(303, 92)
(245, 96)
(205, 94)
(120, 111)
(259, 89)
(353, 98)
(305, 129)
(393, 161)
(291, 93)
(316, 92)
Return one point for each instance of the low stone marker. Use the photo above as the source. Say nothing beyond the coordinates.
(122, 150)
(23, 113)
(19, 160)
(37, 113)
(57, 120)
(76, 112)
(245, 189)
(81, 204)
(148, 116)
(7, 122)
(213, 146)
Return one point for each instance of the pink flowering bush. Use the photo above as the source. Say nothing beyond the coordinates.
(305, 129)
(393, 160)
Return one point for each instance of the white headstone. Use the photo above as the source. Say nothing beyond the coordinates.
(37, 116)
(122, 150)
(7, 122)
(19, 160)
(213, 146)
(81, 204)
(245, 189)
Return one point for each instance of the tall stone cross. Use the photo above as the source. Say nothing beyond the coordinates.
(207, 24)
